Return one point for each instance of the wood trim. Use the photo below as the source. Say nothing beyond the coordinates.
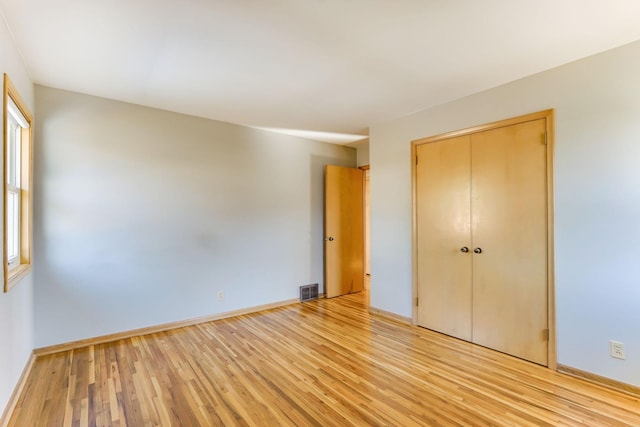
(5, 116)
(390, 316)
(552, 361)
(26, 194)
(17, 392)
(599, 380)
(26, 222)
(548, 115)
(488, 126)
(414, 234)
(366, 222)
(57, 348)
(17, 274)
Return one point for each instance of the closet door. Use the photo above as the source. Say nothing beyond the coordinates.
(509, 229)
(443, 233)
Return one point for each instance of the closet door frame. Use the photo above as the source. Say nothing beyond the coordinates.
(548, 116)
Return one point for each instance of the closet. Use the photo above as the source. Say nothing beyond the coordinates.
(482, 235)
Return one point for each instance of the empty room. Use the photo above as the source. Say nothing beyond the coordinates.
(320, 213)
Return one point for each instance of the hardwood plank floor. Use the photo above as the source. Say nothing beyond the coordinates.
(324, 363)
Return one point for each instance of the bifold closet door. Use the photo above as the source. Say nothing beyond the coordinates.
(509, 229)
(444, 237)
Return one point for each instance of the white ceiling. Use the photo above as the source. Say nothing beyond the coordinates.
(324, 65)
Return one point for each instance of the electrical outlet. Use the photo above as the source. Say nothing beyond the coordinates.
(616, 350)
(220, 295)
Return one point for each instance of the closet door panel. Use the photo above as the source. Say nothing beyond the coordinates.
(443, 229)
(509, 226)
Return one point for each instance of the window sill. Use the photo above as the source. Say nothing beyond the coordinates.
(16, 275)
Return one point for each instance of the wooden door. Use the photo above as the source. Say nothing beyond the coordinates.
(444, 237)
(344, 239)
(367, 224)
(509, 226)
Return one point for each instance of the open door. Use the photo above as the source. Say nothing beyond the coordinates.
(367, 226)
(344, 231)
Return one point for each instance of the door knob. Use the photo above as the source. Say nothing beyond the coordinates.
(477, 251)
(464, 249)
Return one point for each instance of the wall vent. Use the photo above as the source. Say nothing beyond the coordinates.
(308, 292)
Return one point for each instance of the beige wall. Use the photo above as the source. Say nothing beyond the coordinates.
(143, 215)
(16, 307)
(363, 153)
(597, 105)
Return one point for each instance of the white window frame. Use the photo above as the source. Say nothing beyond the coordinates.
(16, 123)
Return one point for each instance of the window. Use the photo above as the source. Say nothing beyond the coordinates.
(18, 124)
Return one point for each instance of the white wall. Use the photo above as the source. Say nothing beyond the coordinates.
(144, 215)
(597, 218)
(363, 152)
(16, 307)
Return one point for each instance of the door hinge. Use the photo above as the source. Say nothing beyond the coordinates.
(417, 301)
(545, 334)
(544, 138)
(416, 159)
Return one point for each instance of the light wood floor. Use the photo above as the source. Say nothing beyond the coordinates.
(324, 363)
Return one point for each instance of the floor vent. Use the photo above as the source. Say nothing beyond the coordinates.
(308, 292)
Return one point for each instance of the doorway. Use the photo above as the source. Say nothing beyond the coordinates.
(367, 228)
(346, 240)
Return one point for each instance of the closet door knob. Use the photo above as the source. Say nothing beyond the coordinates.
(464, 249)
(477, 251)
